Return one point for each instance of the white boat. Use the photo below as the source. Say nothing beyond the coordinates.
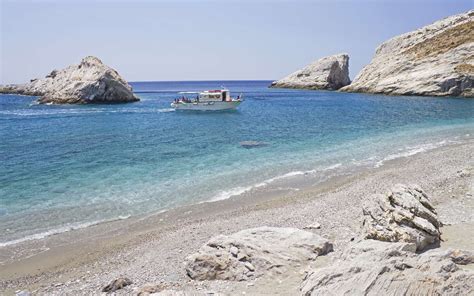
(209, 100)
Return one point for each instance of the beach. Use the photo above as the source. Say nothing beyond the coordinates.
(151, 249)
(231, 149)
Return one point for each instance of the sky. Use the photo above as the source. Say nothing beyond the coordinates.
(202, 40)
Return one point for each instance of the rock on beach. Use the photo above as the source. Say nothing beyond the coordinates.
(405, 214)
(386, 259)
(373, 267)
(254, 252)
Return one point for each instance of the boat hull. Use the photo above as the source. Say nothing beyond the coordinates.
(206, 106)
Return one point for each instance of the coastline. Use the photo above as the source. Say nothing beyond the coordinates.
(290, 180)
(151, 249)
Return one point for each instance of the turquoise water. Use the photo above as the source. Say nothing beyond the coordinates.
(66, 167)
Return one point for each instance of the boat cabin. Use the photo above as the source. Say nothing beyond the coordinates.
(214, 95)
(206, 100)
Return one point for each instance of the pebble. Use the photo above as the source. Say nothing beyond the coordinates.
(249, 266)
(313, 226)
(234, 251)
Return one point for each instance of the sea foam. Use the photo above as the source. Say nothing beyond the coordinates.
(59, 230)
(226, 194)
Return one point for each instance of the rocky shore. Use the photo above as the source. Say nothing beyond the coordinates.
(87, 83)
(436, 60)
(382, 260)
(329, 73)
(360, 235)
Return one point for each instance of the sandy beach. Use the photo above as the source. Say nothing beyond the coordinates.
(151, 250)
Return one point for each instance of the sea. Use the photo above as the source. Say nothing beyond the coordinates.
(68, 167)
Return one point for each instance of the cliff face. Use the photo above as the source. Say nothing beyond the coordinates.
(329, 73)
(436, 60)
(89, 82)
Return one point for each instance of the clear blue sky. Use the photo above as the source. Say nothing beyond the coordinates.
(202, 40)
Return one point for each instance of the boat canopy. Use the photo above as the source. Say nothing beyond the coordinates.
(211, 95)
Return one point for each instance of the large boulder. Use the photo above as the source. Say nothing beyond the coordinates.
(387, 260)
(405, 214)
(435, 60)
(89, 82)
(381, 268)
(255, 252)
(331, 73)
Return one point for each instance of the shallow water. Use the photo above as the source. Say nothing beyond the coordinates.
(66, 167)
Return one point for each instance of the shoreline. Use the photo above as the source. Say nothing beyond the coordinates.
(286, 182)
(91, 253)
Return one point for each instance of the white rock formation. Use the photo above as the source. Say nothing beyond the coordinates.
(381, 268)
(89, 82)
(436, 60)
(255, 252)
(329, 73)
(398, 225)
(386, 260)
(403, 215)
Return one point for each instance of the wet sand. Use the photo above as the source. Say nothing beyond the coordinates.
(152, 249)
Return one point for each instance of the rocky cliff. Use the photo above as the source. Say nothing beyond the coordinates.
(89, 82)
(436, 60)
(329, 73)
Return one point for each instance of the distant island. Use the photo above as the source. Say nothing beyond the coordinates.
(87, 83)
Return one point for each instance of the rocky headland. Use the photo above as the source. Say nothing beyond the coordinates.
(328, 73)
(89, 82)
(436, 60)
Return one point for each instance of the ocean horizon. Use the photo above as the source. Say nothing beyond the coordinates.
(66, 167)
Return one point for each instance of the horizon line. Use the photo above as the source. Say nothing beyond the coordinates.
(206, 80)
(139, 81)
